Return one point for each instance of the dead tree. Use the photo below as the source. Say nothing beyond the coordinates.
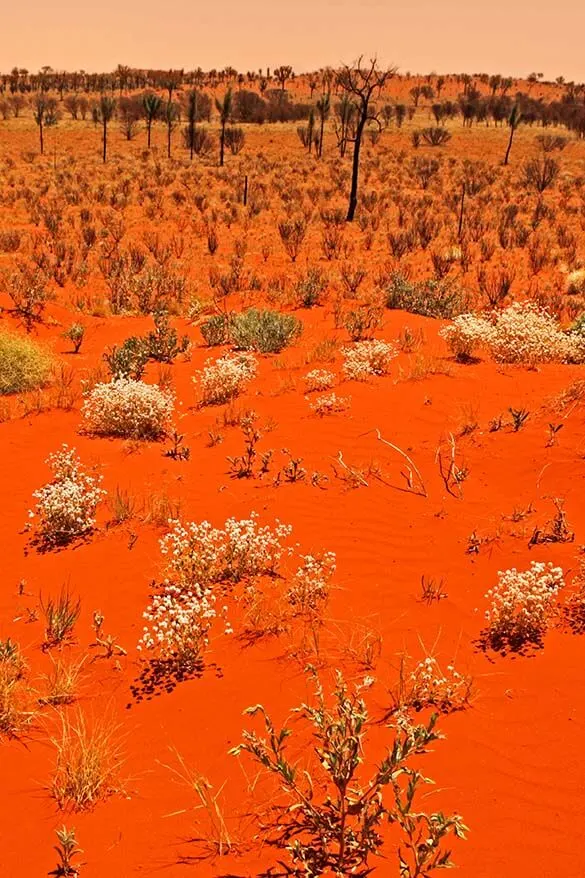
(360, 84)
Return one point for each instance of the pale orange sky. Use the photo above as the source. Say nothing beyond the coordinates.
(501, 36)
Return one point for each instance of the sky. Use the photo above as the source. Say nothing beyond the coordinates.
(511, 37)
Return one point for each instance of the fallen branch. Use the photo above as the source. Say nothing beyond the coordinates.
(422, 491)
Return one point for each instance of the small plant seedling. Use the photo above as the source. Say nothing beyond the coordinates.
(106, 642)
(178, 451)
(432, 590)
(67, 851)
(293, 471)
(556, 530)
(519, 418)
(553, 429)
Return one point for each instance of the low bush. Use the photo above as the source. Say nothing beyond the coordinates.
(24, 365)
(521, 333)
(431, 298)
(223, 379)
(199, 557)
(66, 506)
(128, 408)
(521, 605)
(267, 332)
(367, 358)
(319, 380)
(216, 330)
(330, 404)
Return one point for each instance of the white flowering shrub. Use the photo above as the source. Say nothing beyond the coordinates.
(524, 333)
(66, 506)
(430, 686)
(521, 333)
(308, 591)
(128, 408)
(198, 558)
(329, 404)
(200, 553)
(178, 624)
(319, 380)
(223, 379)
(521, 604)
(466, 334)
(367, 358)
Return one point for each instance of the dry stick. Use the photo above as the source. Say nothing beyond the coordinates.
(409, 461)
(353, 472)
(449, 476)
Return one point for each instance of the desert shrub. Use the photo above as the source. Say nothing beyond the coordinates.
(319, 380)
(16, 713)
(66, 506)
(178, 624)
(465, 335)
(330, 404)
(521, 333)
(540, 173)
(241, 549)
(308, 591)
(429, 686)
(311, 288)
(128, 360)
(521, 605)
(10, 240)
(331, 819)
(128, 408)
(367, 358)
(431, 298)
(362, 322)
(162, 344)
(524, 333)
(200, 139)
(435, 136)
(198, 558)
(216, 330)
(292, 234)
(267, 332)
(75, 334)
(223, 379)
(27, 288)
(552, 142)
(234, 139)
(575, 283)
(24, 365)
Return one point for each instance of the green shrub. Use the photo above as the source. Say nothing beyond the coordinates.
(24, 365)
(129, 360)
(265, 331)
(215, 330)
(431, 298)
(163, 344)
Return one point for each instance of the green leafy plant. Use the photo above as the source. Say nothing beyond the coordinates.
(75, 334)
(265, 331)
(335, 810)
(67, 851)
